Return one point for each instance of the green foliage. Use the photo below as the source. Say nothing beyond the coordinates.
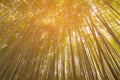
(59, 40)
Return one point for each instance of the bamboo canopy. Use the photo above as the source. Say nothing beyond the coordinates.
(59, 39)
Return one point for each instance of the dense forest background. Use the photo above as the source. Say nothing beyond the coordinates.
(59, 39)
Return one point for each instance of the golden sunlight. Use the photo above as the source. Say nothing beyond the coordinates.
(59, 39)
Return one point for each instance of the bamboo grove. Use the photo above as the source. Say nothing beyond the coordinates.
(59, 40)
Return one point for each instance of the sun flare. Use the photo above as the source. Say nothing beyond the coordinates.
(59, 39)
